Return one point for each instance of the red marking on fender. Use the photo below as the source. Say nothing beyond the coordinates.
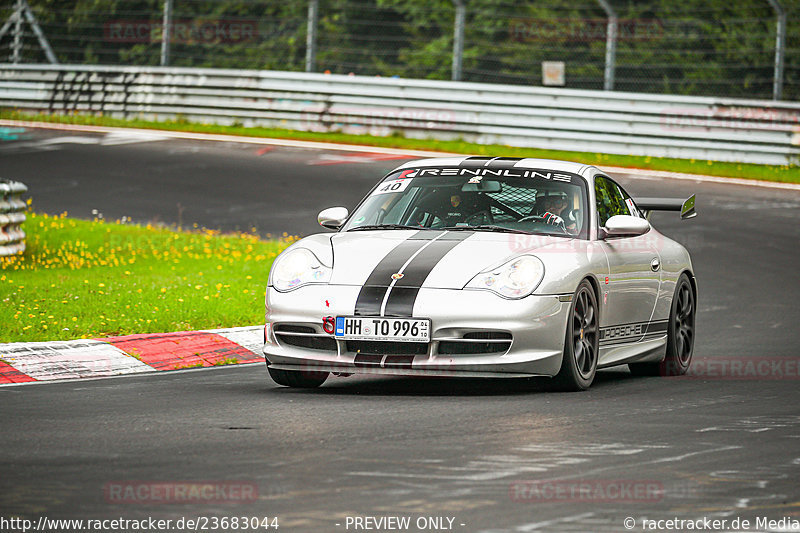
(262, 151)
(171, 351)
(606, 280)
(9, 374)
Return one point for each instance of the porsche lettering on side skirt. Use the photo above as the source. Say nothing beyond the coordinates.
(630, 332)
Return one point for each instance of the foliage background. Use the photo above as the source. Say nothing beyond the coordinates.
(693, 47)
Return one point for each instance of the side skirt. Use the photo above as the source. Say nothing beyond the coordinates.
(651, 350)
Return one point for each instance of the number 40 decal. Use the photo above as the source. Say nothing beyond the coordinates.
(393, 186)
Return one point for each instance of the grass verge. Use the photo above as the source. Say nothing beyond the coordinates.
(85, 279)
(780, 173)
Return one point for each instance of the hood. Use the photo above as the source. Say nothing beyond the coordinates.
(429, 258)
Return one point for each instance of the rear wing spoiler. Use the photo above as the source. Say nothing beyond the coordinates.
(685, 207)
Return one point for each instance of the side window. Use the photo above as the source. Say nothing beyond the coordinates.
(629, 202)
(610, 200)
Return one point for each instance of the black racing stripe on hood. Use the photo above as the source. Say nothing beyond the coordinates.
(403, 294)
(475, 162)
(493, 163)
(374, 289)
(503, 162)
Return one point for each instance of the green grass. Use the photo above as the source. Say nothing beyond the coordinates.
(85, 279)
(780, 173)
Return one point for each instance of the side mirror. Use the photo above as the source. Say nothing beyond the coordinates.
(626, 225)
(333, 217)
(687, 208)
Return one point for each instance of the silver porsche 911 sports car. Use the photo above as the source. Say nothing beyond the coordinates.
(484, 267)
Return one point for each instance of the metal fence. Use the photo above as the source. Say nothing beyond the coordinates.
(745, 49)
(12, 215)
(559, 119)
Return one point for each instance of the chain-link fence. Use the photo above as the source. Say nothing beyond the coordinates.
(694, 47)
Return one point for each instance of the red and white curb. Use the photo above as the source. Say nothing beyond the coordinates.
(24, 362)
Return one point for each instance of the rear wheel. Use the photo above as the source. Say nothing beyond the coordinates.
(297, 378)
(581, 346)
(680, 335)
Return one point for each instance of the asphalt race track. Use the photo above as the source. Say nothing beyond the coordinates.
(228, 186)
(721, 443)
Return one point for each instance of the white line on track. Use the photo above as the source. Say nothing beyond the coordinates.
(643, 173)
(225, 138)
(550, 523)
(377, 150)
(8, 387)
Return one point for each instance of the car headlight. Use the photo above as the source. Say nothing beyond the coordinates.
(515, 279)
(296, 268)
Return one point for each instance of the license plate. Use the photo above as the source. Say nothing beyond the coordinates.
(383, 329)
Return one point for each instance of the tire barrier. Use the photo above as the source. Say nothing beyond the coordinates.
(12, 215)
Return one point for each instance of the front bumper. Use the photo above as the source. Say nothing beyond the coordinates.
(527, 335)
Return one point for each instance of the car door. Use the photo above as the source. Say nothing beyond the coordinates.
(631, 290)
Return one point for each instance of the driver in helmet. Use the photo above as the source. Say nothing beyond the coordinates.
(554, 210)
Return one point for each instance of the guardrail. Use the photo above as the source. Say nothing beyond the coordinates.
(753, 131)
(12, 215)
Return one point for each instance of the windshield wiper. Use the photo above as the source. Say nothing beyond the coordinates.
(485, 227)
(384, 226)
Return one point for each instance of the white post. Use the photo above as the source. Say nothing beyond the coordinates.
(611, 45)
(780, 46)
(16, 47)
(311, 35)
(458, 39)
(165, 33)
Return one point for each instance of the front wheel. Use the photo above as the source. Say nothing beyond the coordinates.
(582, 343)
(680, 335)
(301, 379)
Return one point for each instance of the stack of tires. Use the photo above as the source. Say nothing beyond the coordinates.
(12, 215)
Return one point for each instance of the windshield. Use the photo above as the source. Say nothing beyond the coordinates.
(516, 200)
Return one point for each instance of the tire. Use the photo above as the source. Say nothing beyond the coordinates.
(680, 335)
(297, 378)
(582, 342)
